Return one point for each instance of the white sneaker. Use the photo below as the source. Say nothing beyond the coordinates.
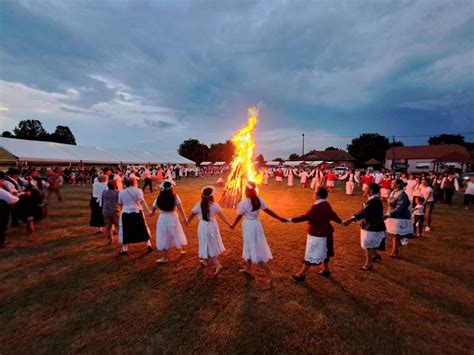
(427, 229)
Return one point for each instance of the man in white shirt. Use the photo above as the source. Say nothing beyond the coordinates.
(6, 200)
(449, 185)
(378, 177)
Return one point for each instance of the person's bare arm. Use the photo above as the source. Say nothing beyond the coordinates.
(274, 215)
(237, 220)
(190, 218)
(224, 218)
(181, 212)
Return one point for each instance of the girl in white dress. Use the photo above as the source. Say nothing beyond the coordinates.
(255, 248)
(290, 175)
(210, 241)
(265, 177)
(169, 232)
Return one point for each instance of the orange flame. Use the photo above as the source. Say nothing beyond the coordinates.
(242, 167)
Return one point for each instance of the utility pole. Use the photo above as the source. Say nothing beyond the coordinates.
(302, 148)
(393, 153)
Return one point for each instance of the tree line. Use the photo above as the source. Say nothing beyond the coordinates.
(33, 130)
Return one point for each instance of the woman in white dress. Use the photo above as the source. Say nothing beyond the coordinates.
(315, 181)
(410, 188)
(265, 177)
(304, 176)
(132, 224)
(255, 248)
(210, 240)
(169, 232)
(348, 177)
(289, 173)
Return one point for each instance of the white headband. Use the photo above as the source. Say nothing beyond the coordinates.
(249, 186)
(162, 186)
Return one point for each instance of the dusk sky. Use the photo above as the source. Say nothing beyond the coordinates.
(149, 74)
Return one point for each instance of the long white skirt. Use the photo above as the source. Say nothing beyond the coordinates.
(278, 179)
(210, 241)
(169, 232)
(349, 188)
(290, 180)
(316, 250)
(314, 183)
(399, 226)
(330, 183)
(255, 248)
(371, 240)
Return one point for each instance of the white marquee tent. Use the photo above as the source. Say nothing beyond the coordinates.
(48, 152)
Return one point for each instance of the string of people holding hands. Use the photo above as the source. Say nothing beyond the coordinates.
(132, 226)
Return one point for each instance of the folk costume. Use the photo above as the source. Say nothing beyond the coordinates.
(95, 204)
(210, 240)
(372, 228)
(319, 240)
(132, 224)
(169, 232)
(255, 248)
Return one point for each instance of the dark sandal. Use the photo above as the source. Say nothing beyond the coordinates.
(324, 273)
(298, 278)
(366, 268)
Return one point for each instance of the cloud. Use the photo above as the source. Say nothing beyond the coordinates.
(192, 68)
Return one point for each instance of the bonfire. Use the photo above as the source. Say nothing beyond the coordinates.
(242, 167)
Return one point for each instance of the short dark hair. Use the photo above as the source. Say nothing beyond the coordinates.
(375, 188)
(2, 175)
(322, 192)
(111, 185)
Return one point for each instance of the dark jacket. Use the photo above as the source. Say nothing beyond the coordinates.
(319, 219)
(372, 215)
(399, 205)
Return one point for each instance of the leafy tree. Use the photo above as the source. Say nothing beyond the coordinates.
(7, 134)
(397, 144)
(222, 152)
(447, 139)
(331, 148)
(31, 130)
(367, 146)
(260, 159)
(194, 150)
(278, 159)
(63, 134)
(293, 157)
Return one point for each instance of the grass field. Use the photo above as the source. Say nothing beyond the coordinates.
(64, 290)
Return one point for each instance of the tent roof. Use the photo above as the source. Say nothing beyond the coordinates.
(293, 163)
(272, 163)
(89, 155)
(204, 163)
(12, 149)
(220, 163)
(27, 150)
